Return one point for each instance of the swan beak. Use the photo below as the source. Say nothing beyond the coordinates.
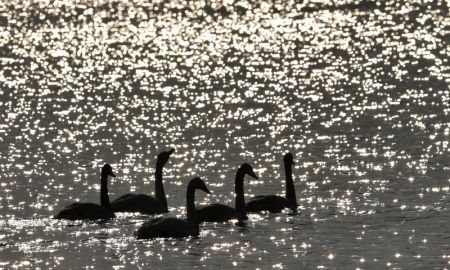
(112, 174)
(171, 151)
(205, 189)
(252, 174)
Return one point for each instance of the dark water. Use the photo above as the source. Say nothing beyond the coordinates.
(358, 91)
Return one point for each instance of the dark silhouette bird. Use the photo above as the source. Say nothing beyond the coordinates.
(219, 212)
(144, 203)
(91, 211)
(175, 227)
(274, 203)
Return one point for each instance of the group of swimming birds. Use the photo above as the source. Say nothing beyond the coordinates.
(166, 227)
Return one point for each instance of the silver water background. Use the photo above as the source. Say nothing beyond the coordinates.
(358, 91)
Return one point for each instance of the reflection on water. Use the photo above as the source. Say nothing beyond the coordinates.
(357, 90)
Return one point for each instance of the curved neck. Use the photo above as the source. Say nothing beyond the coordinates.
(290, 189)
(160, 195)
(239, 190)
(104, 198)
(191, 212)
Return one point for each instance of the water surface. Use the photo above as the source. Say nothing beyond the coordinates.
(357, 90)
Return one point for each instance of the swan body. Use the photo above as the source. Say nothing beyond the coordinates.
(143, 203)
(274, 203)
(271, 203)
(216, 212)
(175, 227)
(166, 228)
(219, 212)
(91, 211)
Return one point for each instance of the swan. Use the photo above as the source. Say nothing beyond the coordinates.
(91, 211)
(175, 227)
(144, 203)
(219, 212)
(274, 203)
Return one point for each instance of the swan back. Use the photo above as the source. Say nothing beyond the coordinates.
(165, 228)
(80, 211)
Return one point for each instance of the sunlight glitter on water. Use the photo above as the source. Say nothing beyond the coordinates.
(358, 91)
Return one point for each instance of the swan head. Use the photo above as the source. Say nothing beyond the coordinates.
(289, 158)
(198, 183)
(163, 157)
(248, 169)
(107, 170)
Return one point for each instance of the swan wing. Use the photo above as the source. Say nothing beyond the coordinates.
(271, 203)
(164, 228)
(125, 196)
(80, 211)
(141, 203)
(216, 213)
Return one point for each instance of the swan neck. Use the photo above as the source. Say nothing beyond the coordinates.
(191, 212)
(239, 190)
(104, 198)
(290, 188)
(160, 195)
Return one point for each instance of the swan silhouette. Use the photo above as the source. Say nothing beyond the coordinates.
(91, 211)
(274, 203)
(175, 227)
(144, 203)
(219, 212)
